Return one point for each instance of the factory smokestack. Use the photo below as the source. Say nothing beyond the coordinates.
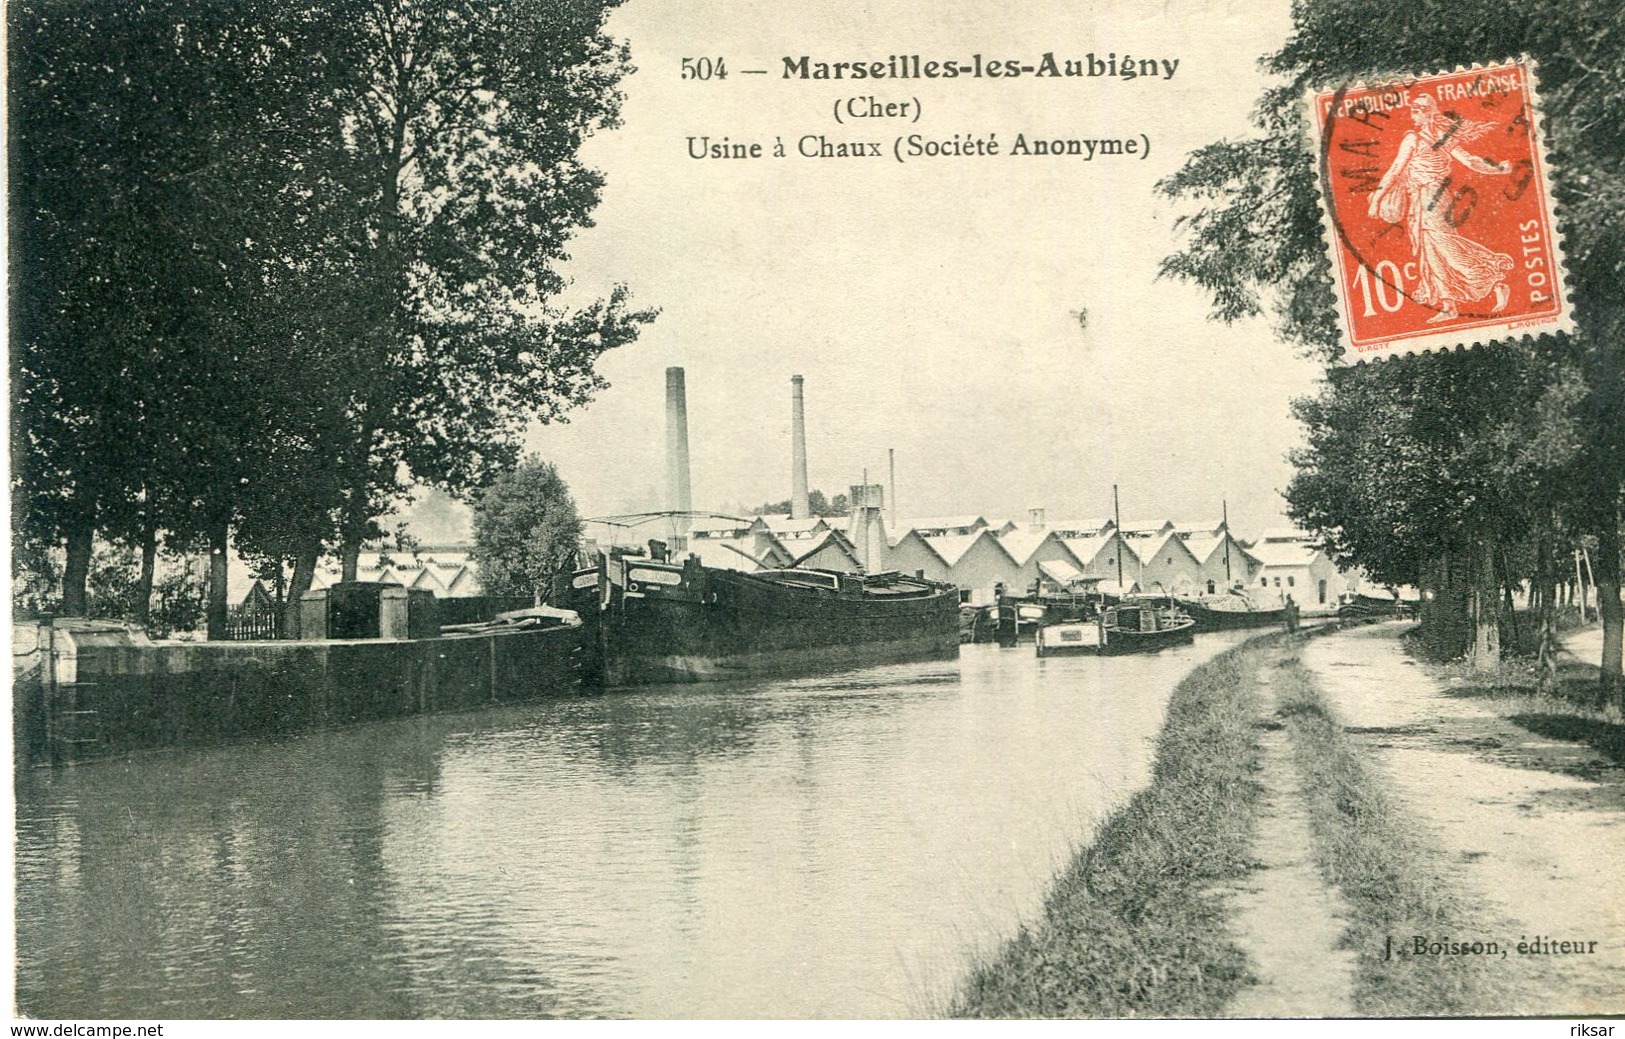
(798, 451)
(678, 496)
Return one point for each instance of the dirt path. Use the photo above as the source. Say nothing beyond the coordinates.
(1585, 644)
(1287, 920)
(1534, 824)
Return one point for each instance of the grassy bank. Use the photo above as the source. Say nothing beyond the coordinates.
(1133, 927)
(1136, 925)
(1569, 708)
(1394, 884)
(1514, 689)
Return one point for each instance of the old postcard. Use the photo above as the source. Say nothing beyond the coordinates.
(816, 510)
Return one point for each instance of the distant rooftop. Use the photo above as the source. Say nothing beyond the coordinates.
(780, 523)
(1086, 527)
(1283, 553)
(1284, 534)
(1022, 543)
(929, 523)
(1142, 527)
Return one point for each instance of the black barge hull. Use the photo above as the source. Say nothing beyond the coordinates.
(1231, 620)
(665, 623)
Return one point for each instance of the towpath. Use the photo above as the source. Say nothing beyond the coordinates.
(1286, 917)
(1529, 823)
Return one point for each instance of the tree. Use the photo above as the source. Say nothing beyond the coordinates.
(103, 262)
(817, 505)
(150, 200)
(456, 160)
(276, 259)
(1451, 466)
(1412, 471)
(526, 530)
(414, 291)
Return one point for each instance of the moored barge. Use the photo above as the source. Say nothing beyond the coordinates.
(654, 622)
(1134, 627)
(1230, 612)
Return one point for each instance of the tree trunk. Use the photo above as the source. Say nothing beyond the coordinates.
(280, 611)
(1609, 606)
(216, 612)
(304, 572)
(76, 572)
(1483, 607)
(1509, 607)
(1544, 590)
(354, 528)
(1580, 583)
(149, 563)
(349, 556)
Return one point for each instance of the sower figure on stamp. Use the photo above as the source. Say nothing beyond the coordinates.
(1451, 269)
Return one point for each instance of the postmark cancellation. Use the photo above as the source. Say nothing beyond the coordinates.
(1438, 209)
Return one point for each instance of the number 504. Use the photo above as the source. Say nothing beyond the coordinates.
(704, 68)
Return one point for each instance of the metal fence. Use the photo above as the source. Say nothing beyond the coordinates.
(243, 625)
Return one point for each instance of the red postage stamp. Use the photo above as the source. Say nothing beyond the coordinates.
(1439, 211)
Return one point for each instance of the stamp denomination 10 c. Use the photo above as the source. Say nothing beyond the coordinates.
(1439, 210)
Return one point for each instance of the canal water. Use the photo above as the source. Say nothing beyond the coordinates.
(843, 846)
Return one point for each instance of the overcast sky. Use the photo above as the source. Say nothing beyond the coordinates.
(933, 306)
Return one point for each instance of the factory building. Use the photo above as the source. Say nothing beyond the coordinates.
(825, 549)
(744, 550)
(1030, 549)
(1099, 556)
(983, 555)
(976, 562)
(1296, 568)
(1163, 565)
(1224, 562)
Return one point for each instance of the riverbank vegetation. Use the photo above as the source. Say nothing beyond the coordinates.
(1138, 925)
(278, 262)
(1479, 476)
(1135, 926)
(1564, 705)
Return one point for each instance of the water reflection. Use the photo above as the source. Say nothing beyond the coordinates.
(819, 848)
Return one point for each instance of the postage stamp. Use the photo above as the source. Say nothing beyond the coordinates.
(1438, 208)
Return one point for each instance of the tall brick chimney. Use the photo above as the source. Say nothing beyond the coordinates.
(678, 495)
(798, 451)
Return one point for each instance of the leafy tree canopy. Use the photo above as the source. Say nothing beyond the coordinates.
(1475, 453)
(818, 504)
(526, 530)
(276, 259)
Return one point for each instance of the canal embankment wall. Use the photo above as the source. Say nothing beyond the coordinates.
(90, 691)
